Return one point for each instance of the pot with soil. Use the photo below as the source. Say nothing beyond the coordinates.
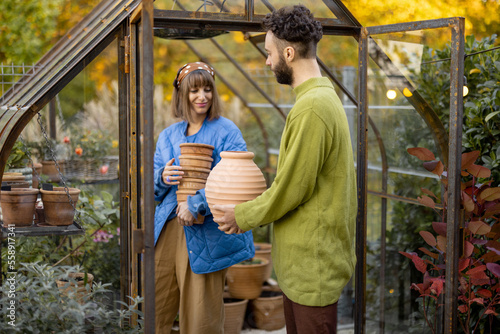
(18, 206)
(267, 311)
(234, 310)
(58, 210)
(245, 279)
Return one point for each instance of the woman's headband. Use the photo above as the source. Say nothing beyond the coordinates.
(190, 67)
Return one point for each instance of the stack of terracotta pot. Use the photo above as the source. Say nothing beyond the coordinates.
(196, 161)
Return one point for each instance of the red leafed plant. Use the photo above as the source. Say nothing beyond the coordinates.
(479, 271)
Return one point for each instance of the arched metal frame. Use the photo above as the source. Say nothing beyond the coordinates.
(131, 23)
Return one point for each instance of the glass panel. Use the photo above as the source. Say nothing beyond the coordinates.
(85, 145)
(318, 8)
(398, 123)
(211, 6)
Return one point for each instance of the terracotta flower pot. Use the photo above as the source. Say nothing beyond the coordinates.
(57, 207)
(18, 206)
(79, 289)
(191, 183)
(263, 251)
(245, 280)
(196, 149)
(194, 172)
(49, 168)
(267, 311)
(235, 179)
(234, 310)
(37, 172)
(197, 161)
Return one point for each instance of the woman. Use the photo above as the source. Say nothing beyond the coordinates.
(191, 260)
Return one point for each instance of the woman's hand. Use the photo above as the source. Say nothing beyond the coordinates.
(172, 174)
(184, 216)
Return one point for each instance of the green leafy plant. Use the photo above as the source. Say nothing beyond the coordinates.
(481, 123)
(18, 157)
(479, 272)
(88, 144)
(37, 305)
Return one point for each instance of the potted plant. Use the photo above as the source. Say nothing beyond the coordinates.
(18, 205)
(18, 162)
(267, 311)
(59, 205)
(76, 285)
(245, 279)
(234, 311)
(40, 307)
(89, 155)
(479, 271)
(263, 251)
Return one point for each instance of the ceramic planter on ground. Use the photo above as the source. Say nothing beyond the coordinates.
(267, 311)
(18, 206)
(79, 289)
(263, 251)
(58, 210)
(234, 310)
(245, 279)
(235, 179)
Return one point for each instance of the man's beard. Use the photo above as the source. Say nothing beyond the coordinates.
(283, 72)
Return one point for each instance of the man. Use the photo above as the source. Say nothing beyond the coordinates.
(312, 200)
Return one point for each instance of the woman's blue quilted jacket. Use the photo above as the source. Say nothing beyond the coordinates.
(209, 249)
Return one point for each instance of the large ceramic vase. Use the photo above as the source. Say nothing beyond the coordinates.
(245, 279)
(18, 206)
(235, 179)
(58, 210)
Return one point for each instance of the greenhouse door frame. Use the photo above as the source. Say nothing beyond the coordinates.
(454, 152)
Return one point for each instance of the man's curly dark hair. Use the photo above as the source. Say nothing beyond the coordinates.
(297, 26)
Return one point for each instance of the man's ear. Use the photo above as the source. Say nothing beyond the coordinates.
(289, 54)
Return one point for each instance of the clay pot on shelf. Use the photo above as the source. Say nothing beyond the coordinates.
(18, 206)
(15, 180)
(49, 168)
(235, 179)
(245, 279)
(37, 172)
(196, 149)
(263, 251)
(57, 207)
(234, 310)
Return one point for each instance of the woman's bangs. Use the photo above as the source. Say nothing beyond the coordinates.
(199, 78)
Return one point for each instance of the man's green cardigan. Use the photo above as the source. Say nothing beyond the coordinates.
(312, 200)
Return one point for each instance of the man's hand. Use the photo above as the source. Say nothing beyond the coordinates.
(227, 223)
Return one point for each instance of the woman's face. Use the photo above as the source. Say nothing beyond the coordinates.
(200, 100)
